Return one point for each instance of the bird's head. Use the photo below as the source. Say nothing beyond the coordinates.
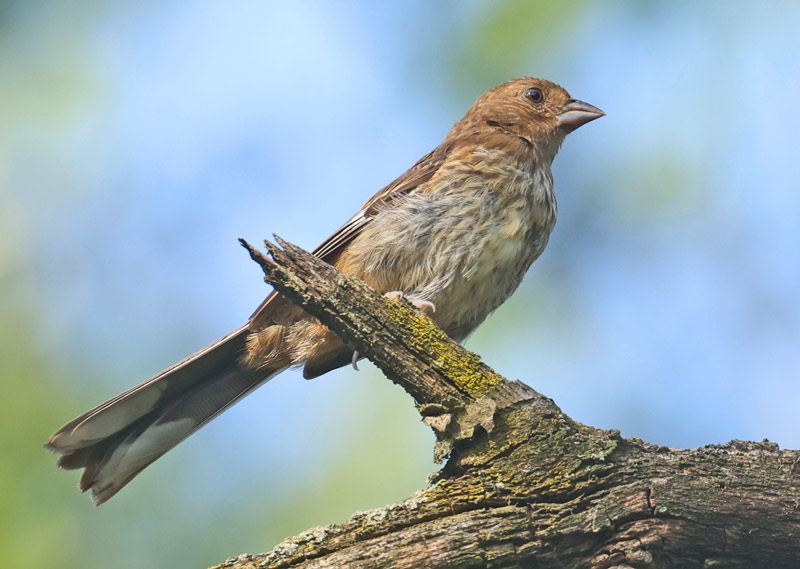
(535, 110)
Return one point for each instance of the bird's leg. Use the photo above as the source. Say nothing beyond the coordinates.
(424, 306)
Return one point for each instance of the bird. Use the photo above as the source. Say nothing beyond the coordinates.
(455, 234)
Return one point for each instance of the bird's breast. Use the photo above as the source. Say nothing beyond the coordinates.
(464, 243)
(506, 246)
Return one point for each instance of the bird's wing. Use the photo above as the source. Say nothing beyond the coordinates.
(414, 177)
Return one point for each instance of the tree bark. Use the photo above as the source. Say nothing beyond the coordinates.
(524, 485)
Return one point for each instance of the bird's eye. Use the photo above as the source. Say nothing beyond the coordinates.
(534, 94)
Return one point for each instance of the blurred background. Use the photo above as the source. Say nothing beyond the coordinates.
(138, 140)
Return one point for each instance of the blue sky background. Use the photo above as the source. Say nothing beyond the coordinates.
(138, 140)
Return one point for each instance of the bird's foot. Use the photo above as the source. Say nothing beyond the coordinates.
(425, 306)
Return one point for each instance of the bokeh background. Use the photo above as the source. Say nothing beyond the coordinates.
(139, 139)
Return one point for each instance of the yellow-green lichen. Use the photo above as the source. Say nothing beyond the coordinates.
(462, 367)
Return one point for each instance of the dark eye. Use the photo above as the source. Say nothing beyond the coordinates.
(534, 94)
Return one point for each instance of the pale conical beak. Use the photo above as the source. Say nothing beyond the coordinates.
(576, 113)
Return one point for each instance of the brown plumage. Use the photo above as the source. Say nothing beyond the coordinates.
(455, 233)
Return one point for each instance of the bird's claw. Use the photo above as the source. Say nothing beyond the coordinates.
(425, 306)
(354, 361)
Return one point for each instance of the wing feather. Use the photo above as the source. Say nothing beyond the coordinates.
(422, 171)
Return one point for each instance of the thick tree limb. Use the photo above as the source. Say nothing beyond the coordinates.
(525, 485)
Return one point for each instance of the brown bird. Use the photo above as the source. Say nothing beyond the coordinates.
(455, 234)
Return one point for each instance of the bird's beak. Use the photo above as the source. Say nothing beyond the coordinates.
(576, 113)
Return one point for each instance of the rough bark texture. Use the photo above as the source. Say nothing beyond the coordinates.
(524, 485)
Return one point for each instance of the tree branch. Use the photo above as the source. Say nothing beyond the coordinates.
(524, 485)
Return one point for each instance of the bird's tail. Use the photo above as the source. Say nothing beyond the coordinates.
(118, 439)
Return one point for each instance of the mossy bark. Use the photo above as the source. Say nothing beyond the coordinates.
(524, 485)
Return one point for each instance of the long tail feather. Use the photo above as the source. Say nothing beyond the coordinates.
(118, 439)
